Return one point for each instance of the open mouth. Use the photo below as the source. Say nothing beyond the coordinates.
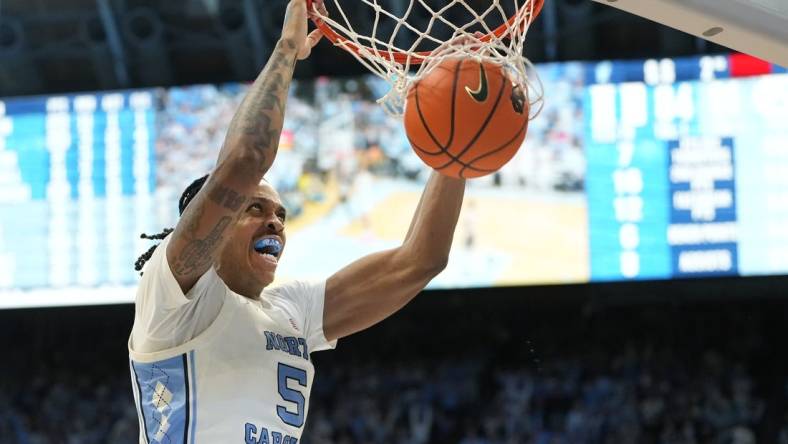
(268, 247)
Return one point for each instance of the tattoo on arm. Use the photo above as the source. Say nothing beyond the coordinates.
(261, 116)
(264, 138)
(197, 254)
(227, 198)
(256, 125)
(271, 99)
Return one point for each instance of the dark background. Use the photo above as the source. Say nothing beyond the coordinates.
(65, 372)
(53, 46)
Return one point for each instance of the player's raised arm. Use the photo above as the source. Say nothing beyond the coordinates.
(249, 150)
(372, 288)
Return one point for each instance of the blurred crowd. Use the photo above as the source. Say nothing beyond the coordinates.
(639, 396)
(335, 134)
(495, 388)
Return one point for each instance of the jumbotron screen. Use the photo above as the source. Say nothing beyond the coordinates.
(654, 169)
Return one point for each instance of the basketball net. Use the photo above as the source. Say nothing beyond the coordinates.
(401, 67)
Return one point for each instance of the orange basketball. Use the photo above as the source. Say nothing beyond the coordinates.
(465, 118)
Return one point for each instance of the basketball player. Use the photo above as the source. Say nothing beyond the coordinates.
(216, 354)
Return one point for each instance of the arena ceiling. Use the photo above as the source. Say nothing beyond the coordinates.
(52, 46)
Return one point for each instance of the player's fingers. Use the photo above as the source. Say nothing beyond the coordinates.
(314, 37)
(478, 37)
(320, 7)
(468, 41)
(311, 40)
(295, 9)
(299, 4)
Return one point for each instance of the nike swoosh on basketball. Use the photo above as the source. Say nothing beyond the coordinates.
(480, 93)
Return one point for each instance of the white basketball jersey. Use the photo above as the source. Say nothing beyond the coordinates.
(245, 378)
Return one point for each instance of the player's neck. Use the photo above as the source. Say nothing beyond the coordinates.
(244, 287)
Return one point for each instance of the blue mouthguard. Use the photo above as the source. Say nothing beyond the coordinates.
(274, 246)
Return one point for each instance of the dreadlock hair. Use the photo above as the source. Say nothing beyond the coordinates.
(183, 202)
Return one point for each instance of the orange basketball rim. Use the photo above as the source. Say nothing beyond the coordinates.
(530, 10)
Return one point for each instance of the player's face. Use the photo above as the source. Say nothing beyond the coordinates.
(250, 257)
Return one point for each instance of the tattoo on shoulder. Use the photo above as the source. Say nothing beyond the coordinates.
(197, 254)
(227, 198)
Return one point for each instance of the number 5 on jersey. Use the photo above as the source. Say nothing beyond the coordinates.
(284, 373)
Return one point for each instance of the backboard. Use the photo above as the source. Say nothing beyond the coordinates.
(755, 27)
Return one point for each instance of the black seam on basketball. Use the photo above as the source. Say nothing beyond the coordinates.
(506, 144)
(444, 149)
(430, 153)
(453, 102)
(424, 123)
(441, 150)
(486, 120)
(452, 159)
(421, 118)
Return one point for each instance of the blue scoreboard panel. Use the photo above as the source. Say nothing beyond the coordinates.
(77, 180)
(687, 178)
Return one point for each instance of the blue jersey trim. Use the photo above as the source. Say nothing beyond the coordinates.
(194, 395)
(165, 399)
(140, 411)
(186, 404)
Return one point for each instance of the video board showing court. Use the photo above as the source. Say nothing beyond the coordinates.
(654, 169)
